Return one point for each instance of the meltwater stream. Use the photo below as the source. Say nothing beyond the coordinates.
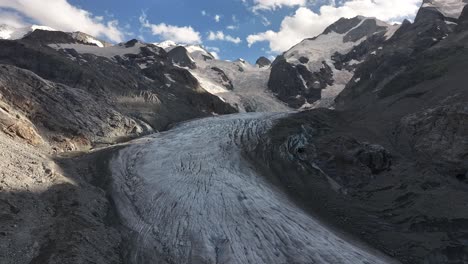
(190, 197)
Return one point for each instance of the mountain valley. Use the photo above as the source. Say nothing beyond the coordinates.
(350, 147)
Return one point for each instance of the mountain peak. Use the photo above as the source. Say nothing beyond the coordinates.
(448, 8)
(48, 34)
(88, 39)
(10, 32)
(263, 62)
(166, 44)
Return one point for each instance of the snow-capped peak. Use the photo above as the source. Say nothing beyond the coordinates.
(83, 37)
(195, 51)
(448, 8)
(168, 44)
(340, 37)
(9, 32)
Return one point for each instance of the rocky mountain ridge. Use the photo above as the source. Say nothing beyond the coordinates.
(314, 72)
(134, 81)
(388, 166)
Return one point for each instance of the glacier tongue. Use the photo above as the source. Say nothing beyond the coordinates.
(189, 196)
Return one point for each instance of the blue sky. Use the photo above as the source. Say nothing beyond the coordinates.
(200, 15)
(232, 28)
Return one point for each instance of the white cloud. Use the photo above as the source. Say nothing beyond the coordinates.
(219, 35)
(274, 4)
(12, 19)
(183, 35)
(203, 12)
(214, 51)
(217, 18)
(61, 15)
(232, 27)
(305, 23)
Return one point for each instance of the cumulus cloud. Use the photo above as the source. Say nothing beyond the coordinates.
(219, 35)
(305, 23)
(61, 15)
(274, 4)
(12, 19)
(217, 18)
(183, 35)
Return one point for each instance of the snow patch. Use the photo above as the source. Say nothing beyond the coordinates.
(107, 52)
(448, 8)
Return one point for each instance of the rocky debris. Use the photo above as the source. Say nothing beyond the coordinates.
(132, 92)
(439, 135)
(392, 197)
(48, 215)
(403, 190)
(375, 157)
(59, 114)
(180, 56)
(17, 126)
(263, 62)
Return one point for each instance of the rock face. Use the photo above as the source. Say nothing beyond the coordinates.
(396, 192)
(263, 62)
(179, 56)
(314, 72)
(223, 79)
(450, 9)
(129, 89)
(414, 54)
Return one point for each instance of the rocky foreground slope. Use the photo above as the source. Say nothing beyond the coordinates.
(394, 157)
(76, 95)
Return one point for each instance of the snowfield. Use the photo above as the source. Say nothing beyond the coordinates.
(190, 197)
(250, 83)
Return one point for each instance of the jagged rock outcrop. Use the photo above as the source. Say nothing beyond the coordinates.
(180, 56)
(129, 88)
(415, 53)
(449, 9)
(314, 72)
(223, 78)
(438, 135)
(263, 62)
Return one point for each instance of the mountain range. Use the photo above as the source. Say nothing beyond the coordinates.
(364, 127)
